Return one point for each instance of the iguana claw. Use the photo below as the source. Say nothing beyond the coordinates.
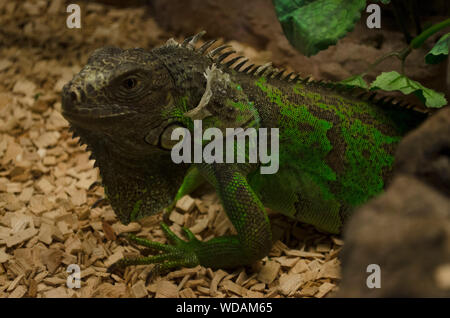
(181, 253)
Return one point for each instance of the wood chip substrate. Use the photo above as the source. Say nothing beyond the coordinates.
(46, 217)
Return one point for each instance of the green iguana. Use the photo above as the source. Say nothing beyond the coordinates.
(335, 148)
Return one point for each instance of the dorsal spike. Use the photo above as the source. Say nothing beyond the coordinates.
(187, 40)
(253, 70)
(233, 60)
(381, 101)
(306, 79)
(288, 76)
(206, 46)
(245, 70)
(263, 68)
(296, 78)
(224, 56)
(238, 67)
(270, 73)
(396, 103)
(219, 49)
(195, 38)
(279, 74)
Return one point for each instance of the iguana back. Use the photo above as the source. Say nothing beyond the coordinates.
(336, 150)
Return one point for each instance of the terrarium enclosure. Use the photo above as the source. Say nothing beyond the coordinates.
(52, 208)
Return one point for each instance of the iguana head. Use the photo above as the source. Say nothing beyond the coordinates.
(119, 94)
(124, 105)
(119, 104)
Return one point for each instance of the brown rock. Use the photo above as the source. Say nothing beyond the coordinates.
(425, 152)
(405, 232)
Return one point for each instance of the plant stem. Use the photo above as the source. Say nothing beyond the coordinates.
(414, 8)
(379, 60)
(422, 37)
(398, 9)
(415, 43)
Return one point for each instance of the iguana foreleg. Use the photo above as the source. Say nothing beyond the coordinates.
(252, 242)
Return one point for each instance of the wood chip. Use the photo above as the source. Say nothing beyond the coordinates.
(4, 257)
(73, 245)
(269, 272)
(323, 247)
(139, 290)
(19, 292)
(324, 289)
(337, 241)
(233, 287)
(187, 293)
(218, 276)
(32, 288)
(46, 233)
(304, 254)
(330, 269)
(185, 204)
(199, 226)
(109, 232)
(166, 289)
(286, 261)
(15, 282)
(309, 291)
(47, 139)
(24, 87)
(299, 267)
(290, 283)
(60, 292)
(254, 294)
(132, 227)
(113, 258)
(176, 217)
(183, 272)
(21, 237)
(52, 258)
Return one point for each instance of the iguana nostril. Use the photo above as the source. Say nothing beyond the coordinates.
(73, 96)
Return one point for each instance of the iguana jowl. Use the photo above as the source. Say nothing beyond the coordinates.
(335, 152)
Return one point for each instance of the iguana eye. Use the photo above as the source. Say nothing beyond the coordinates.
(130, 83)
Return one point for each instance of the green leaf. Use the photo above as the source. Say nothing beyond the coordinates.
(439, 51)
(384, 1)
(313, 25)
(356, 80)
(393, 81)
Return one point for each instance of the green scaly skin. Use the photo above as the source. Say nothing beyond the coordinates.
(336, 150)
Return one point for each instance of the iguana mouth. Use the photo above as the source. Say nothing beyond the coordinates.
(87, 114)
(75, 110)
